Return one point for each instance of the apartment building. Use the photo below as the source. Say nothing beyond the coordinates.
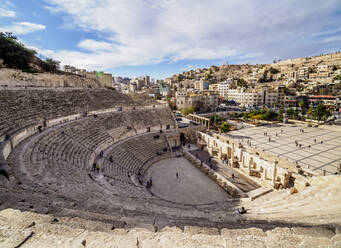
(303, 73)
(252, 97)
(327, 100)
(203, 101)
(223, 88)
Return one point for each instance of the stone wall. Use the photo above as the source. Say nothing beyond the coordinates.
(263, 171)
(13, 78)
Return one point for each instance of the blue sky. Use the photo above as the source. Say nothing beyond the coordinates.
(160, 38)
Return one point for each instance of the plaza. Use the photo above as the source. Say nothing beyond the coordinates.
(317, 149)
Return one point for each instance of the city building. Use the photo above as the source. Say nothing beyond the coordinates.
(213, 87)
(303, 73)
(203, 101)
(201, 85)
(223, 88)
(164, 89)
(254, 98)
(327, 100)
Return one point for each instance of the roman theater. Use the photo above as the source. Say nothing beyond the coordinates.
(85, 166)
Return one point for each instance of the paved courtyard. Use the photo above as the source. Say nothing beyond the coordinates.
(317, 149)
(191, 187)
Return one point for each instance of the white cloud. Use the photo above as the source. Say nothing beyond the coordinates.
(20, 28)
(146, 32)
(92, 45)
(332, 39)
(6, 13)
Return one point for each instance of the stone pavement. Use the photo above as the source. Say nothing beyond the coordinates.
(192, 187)
(317, 149)
(241, 181)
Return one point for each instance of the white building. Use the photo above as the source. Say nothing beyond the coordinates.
(223, 88)
(322, 68)
(250, 98)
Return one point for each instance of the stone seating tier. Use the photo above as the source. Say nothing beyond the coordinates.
(37, 230)
(57, 159)
(23, 108)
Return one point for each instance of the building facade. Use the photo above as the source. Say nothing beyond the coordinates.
(203, 101)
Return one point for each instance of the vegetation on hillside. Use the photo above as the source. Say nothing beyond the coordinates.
(338, 77)
(15, 55)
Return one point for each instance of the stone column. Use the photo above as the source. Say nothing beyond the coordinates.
(264, 173)
(274, 173)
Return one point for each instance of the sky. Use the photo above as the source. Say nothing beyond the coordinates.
(131, 38)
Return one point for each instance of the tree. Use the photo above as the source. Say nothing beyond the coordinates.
(320, 112)
(301, 104)
(52, 65)
(338, 77)
(296, 113)
(310, 112)
(246, 116)
(188, 110)
(180, 77)
(241, 82)
(264, 78)
(270, 115)
(280, 113)
(14, 53)
(216, 119)
(290, 112)
(273, 70)
(225, 127)
(281, 110)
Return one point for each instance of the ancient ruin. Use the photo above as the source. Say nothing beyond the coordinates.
(88, 167)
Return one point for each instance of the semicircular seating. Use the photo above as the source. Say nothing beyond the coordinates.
(52, 168)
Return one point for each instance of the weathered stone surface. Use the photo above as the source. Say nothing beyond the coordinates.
(67, 233)
(282, 241)
(245, 243)
(85, 224)
(277, 230)
(16, 218)
(293, 191)
(313, 232)
(171, 230)
(235, 233)
(192, 230)
(337, 237)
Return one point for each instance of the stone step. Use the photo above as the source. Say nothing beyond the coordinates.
(35, 230)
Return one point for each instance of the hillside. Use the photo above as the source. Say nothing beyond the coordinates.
(254, 75)
(13, 54)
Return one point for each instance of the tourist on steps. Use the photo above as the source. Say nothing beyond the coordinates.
(242, 210)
